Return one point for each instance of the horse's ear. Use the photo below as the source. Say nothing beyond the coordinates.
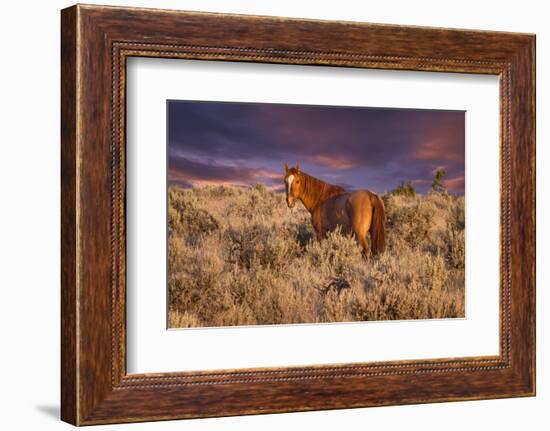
(297, 167)
(286, 167)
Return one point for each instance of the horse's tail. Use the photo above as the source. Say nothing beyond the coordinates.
(378, 225)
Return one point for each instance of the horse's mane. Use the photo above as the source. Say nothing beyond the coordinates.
(316, 191)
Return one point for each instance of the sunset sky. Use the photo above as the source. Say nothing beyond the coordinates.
(372, 148)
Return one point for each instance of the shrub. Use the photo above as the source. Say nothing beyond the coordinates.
(404, 188)
(260, 244)
(454, 240)
(240, 256)
(410, 219)
(196, 281)
(337, 252)
(186, 218)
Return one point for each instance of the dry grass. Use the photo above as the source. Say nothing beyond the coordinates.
(241, 257)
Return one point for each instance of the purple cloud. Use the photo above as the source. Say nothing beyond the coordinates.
(374, 148)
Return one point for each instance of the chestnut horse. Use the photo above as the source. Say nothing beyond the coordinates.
(360, 212)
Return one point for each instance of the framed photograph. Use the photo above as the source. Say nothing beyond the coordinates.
(262, 214)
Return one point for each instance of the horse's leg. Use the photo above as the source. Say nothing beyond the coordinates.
(364, 247)
(318, 234)
(360, 214)
(316, 222)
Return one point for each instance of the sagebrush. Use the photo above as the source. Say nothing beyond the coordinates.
(240, 256)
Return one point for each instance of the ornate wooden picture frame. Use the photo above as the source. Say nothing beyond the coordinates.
(96, 41)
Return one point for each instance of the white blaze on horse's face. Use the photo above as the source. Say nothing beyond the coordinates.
(289, 183)
(289, 197)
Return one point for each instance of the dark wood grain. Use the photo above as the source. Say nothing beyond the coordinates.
(69, 367)
(96, 41)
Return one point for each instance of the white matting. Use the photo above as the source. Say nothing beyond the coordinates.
(153, 348)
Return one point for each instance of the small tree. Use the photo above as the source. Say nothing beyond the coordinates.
(437, 183)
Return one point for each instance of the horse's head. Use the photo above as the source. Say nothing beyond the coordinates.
(293, 184)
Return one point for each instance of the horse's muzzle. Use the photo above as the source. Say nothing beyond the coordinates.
(290, 202)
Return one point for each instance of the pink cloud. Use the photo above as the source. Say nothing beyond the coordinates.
(421, 182)
(455, 184)
(332, 161)
(437, 150)
(197, 174)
